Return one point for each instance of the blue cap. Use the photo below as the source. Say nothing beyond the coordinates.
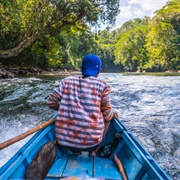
(91, 65)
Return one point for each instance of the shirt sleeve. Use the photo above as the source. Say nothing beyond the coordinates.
(106, 108)
(54, 98)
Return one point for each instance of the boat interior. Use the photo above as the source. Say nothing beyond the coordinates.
(136, 161)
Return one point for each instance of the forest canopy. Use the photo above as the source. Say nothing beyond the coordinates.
(48, 33)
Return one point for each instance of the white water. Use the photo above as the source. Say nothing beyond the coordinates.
(148, 105)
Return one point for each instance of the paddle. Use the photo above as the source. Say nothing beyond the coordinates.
(42, 162)
(25, 134)
(120, 167)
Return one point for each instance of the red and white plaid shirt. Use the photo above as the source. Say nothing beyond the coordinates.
(83, 105)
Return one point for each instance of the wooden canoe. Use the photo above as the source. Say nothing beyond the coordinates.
(136, 162)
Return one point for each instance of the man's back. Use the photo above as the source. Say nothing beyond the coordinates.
(83, 106)
(80, 122)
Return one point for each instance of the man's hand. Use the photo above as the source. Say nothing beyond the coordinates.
(115, 115)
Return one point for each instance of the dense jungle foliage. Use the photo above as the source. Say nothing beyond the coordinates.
(49, 33)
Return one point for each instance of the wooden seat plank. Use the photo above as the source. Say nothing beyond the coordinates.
(79, 165)
(58, 167)
(105, 168)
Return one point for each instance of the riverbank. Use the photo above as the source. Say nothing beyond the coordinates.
(166, 73)
(15, 72)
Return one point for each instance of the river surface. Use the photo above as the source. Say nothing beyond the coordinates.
(148, 105)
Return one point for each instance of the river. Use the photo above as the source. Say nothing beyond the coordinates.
(148, 105)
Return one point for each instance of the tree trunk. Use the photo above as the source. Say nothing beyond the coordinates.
(14, 52)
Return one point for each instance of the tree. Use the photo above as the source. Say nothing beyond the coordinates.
(170, 13)
(25, 22)
(130, 49)
(160, 47)
(163, 39)
(65, 50)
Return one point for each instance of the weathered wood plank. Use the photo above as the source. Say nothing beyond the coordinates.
(79, 165)
(105, 168)
(58, 167)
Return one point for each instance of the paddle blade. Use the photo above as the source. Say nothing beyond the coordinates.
(42, 162)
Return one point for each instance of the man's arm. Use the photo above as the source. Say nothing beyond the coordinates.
(53, 100)
(106, 108)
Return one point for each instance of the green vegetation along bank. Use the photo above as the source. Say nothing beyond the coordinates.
(57, 34)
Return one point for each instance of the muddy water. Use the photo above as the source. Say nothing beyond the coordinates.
(148, 105)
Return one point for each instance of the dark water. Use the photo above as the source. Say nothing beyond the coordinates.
(148, 105)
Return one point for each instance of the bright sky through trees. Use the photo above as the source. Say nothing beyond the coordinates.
(131, 9)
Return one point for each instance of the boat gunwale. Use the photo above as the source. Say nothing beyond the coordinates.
(144, 158)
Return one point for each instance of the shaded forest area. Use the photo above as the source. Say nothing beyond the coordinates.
(46, 34)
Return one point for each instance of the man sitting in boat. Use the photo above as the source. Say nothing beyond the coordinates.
(83, 106)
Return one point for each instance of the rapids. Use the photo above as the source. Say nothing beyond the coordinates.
(148, 105)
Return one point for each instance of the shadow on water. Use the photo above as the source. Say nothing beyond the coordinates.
(148, 105)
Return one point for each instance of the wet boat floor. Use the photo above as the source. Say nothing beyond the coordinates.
(84, 166)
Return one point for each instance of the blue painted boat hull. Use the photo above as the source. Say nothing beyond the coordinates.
(136, 161)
